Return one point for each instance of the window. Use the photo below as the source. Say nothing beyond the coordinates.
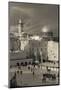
(29, 62)
(21, 63)
(17, 64)
(26, 63)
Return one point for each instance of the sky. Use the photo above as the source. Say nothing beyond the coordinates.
(35, 17)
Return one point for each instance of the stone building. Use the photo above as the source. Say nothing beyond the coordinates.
(35, 47)
(14, 42)
(52, 51)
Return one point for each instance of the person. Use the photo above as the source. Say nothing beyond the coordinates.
(13, 83)
(54, 77)
(34, 65)
(21, 72)
(18, 72)
(44, 78)
(28, 67)
(33, 73)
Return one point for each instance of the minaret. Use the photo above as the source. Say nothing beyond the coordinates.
(20, 27)
(20, 30)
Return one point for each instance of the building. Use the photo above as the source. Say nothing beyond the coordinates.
(39, 48)
(52, 51)
(19, 57)
(14, 42)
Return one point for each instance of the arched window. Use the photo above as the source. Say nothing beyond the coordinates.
(29, 62)
(17, 63)
(21, 63)
(26, 63)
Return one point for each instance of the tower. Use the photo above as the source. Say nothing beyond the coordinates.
(20, 27)
(20, 30)
(21, 34)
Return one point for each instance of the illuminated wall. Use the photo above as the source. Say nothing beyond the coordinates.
(52, 51)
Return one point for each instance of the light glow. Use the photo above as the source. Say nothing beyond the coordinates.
(36, 38)
(45, 29)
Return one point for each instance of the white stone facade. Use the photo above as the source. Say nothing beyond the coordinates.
(52, 50)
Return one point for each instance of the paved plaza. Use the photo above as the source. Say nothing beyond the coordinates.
(33, 76)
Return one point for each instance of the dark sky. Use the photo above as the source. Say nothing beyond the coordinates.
(34, 17)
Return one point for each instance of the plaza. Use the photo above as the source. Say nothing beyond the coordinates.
(33, 76)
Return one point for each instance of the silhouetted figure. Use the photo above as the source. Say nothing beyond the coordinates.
(33, 73)
(17, 72)
(21, 72)
(34, 65)
(13, 83)
(54, 77)
(28, 67)
(44, 78)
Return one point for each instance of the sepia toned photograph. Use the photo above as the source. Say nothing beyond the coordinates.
(33, 44)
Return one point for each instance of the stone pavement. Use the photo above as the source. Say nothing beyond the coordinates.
(28, 79)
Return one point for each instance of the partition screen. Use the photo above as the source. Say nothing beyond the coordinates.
(33, 44)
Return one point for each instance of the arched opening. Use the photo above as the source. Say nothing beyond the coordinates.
(25, 63)
(17, 63)
(29, 63)
(21, 63)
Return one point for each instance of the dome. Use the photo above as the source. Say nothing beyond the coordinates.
(45, 29)
(46, 32)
